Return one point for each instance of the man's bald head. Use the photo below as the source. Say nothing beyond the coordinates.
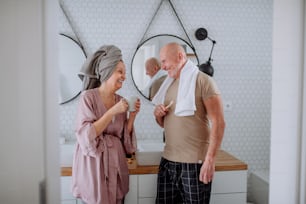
(173, 58)
(152, 66)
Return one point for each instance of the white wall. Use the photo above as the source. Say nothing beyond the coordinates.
(287, 73)
(51, 112)
(23, 112)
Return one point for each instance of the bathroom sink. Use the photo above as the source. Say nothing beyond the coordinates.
(149, 152)
(66, 154)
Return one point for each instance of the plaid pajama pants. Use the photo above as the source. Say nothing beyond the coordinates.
(179, 183)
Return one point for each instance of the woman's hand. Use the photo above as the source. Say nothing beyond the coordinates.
(103, 122)
(120, 107)
(137, 108)
(132, 116)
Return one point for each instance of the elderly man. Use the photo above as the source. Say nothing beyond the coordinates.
(157, 76)
(189, 108)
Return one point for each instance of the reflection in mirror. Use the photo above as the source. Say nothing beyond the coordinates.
(144, 66)
(71, 59)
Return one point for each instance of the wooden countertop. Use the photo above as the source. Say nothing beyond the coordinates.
(224, 162)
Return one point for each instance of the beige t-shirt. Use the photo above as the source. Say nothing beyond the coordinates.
(187, 138)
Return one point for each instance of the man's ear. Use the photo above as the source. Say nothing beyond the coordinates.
(180, 56)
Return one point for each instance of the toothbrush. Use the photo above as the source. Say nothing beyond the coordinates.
(169, 105)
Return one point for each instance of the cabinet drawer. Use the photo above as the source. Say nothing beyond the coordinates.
(146, 201)
(132, 196)
(230, 182)
(66, 193)
(147, 185)
(68, 202)
(232, 198)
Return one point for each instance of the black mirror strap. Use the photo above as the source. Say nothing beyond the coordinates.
(172, 6)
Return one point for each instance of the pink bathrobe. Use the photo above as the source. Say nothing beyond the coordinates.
(100, 172)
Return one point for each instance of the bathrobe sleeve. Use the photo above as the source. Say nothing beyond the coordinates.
(129, 141)
(85, 131)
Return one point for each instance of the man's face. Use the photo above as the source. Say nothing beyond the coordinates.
(169, 62)
(150, 70)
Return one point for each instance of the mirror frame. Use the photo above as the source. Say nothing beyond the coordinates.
(142, 43)
(85, 55)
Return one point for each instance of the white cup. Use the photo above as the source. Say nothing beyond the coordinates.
(131, 101)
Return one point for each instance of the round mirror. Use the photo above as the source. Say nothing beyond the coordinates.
(146, 73)
(71, 59)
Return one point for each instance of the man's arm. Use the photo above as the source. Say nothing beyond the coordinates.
(215, 114)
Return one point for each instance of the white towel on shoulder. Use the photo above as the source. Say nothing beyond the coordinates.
(159, 97)
(185, 101)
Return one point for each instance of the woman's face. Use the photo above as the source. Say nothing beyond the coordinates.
(117, 78)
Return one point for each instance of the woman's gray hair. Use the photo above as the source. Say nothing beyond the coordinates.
(100, 66)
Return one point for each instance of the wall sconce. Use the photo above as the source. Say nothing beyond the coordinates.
(201, 34)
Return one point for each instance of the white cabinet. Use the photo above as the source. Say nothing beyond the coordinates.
(142, 189)
(146, 201)
(68, 202)
(132, 196)
(66, 194)
(228, 187)
(231, 198)
(147, 186)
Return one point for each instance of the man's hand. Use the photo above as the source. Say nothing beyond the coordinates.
(207, 170)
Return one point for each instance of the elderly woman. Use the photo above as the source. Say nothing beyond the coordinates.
(104, 132)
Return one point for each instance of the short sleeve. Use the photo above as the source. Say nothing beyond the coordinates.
(207, 86)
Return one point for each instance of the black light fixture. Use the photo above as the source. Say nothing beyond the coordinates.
(201, 34)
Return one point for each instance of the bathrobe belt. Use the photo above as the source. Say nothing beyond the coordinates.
(107, 142)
